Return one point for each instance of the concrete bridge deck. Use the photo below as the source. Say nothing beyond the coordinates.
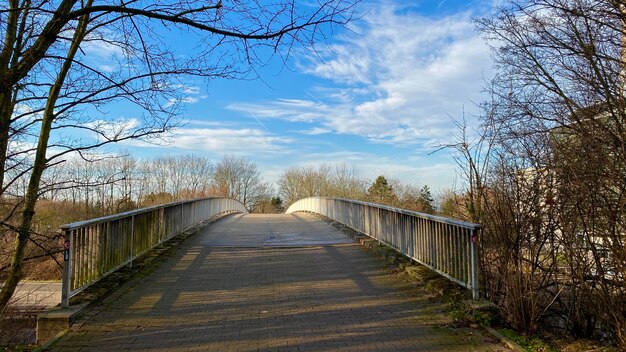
(270, 283)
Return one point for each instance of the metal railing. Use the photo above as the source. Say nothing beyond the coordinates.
(95, 248)
(447, 246)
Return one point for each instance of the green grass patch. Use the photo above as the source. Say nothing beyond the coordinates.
(529, 343)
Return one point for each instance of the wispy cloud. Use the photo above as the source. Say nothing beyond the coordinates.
(186, 94)
(202, 123)
(190, 90)
(396, 82)
(293, 110)
(101, 50)
(229, 141)
(113, 129)
(315, 131)
(96, 47)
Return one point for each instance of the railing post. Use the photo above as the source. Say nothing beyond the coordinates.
(161, 234)
(67, 269)
(379, 228)
(474, 264)
(132, 239)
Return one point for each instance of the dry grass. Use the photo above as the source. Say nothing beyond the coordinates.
(582, 345)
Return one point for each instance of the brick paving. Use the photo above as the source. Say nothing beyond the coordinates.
(335, 297)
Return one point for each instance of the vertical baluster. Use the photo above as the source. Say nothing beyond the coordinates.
(459, 250)
(84, 255)
(448, 247)
(423, 238)
(455, 251)
(107, 247)
(90, 256)
(439, 245)
(445, 249)
(435, 244)
(432, 244)
(79, 258)
(420, 239)
(468, 255)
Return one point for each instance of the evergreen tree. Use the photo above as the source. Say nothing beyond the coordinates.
(277, 204)
(426, 200)
(381, 192)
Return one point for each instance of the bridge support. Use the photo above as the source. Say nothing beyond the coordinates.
(56, 321)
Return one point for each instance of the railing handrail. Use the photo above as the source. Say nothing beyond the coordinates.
(447, 246)
(95, 248)
(78, 224)
(442, 219)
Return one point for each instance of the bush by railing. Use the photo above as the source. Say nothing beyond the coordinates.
(445, 245)
(97, 247)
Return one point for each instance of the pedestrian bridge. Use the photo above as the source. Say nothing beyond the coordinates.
(253, 282)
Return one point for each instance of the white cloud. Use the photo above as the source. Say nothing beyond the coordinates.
(229, 141)
(107, 68)
(113, 129)
(20, 146)
(316, 131)
(396, 82)
(22, 109)
(101, 49)
(195, 122)
(191, 90)
(293, 110)
(186, 94)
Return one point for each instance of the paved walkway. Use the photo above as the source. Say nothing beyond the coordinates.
(36, 295)
(249, 296)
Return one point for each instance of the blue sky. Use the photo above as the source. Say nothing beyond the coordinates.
(380, 100)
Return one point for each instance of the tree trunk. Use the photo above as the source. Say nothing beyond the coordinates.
(5, 89)
(39, 165)
(32, 194)
(5, 123)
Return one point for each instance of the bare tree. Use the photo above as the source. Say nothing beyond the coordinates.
(127, 166)
(199, 172)
(324, 181)
(451, 204)
(182, 176)
(345, 182)
(172, 177)
(53, 89)
(239, 178)
(297, 183)
(413, 197)
(552, 196)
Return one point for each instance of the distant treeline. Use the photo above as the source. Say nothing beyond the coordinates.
(89, 187)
